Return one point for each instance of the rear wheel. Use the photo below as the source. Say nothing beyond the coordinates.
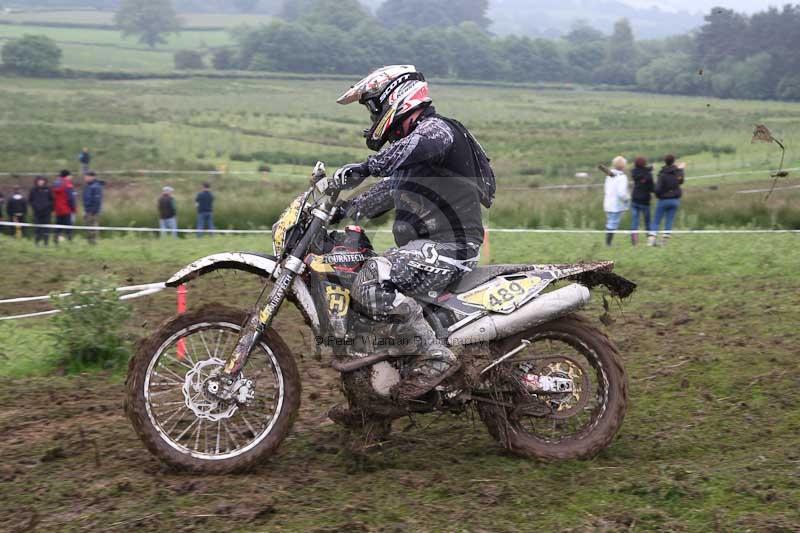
(575, 422)
(170, 405)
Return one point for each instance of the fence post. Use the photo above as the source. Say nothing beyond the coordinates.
(181, 310)
(486, 251)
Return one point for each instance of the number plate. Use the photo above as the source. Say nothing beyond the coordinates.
(504, 295)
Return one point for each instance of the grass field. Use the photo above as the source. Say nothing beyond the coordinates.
(536, 138)
(709, 340)
(106, 18)
(106, 50)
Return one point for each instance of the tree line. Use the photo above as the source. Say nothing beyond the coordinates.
(731, 56)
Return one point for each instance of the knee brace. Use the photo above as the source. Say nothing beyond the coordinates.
(373, 290)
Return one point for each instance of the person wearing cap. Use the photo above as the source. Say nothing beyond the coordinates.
(17, 209)
(167, 213)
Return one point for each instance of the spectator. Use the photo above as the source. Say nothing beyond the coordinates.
(167, 221)
(64, 203)
(205, 208)
(642, 194)
(92, 204)
(668, 192)
(85, 159)
(17, 209)
(41, 200)
(616, 197)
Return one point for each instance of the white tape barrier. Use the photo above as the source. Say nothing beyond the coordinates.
(688, 178)
(628, 231)
(152, 172)
(140, 291)
(490, 230)
(132, 228)
(131, 288)
(160, 172)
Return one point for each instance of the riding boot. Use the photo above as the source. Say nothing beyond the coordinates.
(634, 239)
(609, 238)
(434, 362)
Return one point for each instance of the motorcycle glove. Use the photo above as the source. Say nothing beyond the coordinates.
(350, 176)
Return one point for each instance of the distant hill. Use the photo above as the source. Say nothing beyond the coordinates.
(537, 18)
(553, 18)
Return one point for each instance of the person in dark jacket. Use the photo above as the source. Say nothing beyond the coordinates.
(64, 204)
(167, 213)
(641, 196)
(92, 204)
(41, 200)
(85, 159)
(205, 209)
(668, 192)
(17, 210)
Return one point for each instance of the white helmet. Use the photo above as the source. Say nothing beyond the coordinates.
(391, 94)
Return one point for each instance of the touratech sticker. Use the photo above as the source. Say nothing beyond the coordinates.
(344, 257)
(338, 300)
(504, 295)
(318, 263)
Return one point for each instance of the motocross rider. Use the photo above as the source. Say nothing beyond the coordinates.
(427, 172)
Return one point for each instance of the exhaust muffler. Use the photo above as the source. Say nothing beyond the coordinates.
(543, 308)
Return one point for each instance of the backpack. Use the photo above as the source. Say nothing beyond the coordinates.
(484, 175)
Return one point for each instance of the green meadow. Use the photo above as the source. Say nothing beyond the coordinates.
(536, 138)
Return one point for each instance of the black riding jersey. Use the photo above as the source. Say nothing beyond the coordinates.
(430, 202)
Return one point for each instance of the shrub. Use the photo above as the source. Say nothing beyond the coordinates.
(789, 87)
(224, 59)
(32, 54)
(87, 330)
(189, 60)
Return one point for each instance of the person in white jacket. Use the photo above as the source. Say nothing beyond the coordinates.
(617, 198)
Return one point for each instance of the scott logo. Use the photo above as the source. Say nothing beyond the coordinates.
(428, 268)
(392, 86)
(429, 253)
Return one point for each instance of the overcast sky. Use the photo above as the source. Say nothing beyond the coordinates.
(705, 5)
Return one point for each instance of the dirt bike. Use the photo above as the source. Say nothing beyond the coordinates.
(217, 390)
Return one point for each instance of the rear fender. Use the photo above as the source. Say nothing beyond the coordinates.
(265, 266)
(590, 275)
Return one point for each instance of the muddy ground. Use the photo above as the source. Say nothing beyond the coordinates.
(710, 441)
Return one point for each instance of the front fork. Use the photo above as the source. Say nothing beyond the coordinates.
(291, 267)
(258, 323)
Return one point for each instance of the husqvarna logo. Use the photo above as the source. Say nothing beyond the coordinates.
(338, 300)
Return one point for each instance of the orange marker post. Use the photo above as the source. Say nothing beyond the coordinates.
(486, 252)
(181, 310)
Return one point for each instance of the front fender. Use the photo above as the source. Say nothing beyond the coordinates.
(259, 264)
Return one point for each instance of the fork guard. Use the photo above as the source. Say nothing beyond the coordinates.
(263, 265)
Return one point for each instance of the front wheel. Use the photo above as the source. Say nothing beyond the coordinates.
(182, 423)
(587, 398)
